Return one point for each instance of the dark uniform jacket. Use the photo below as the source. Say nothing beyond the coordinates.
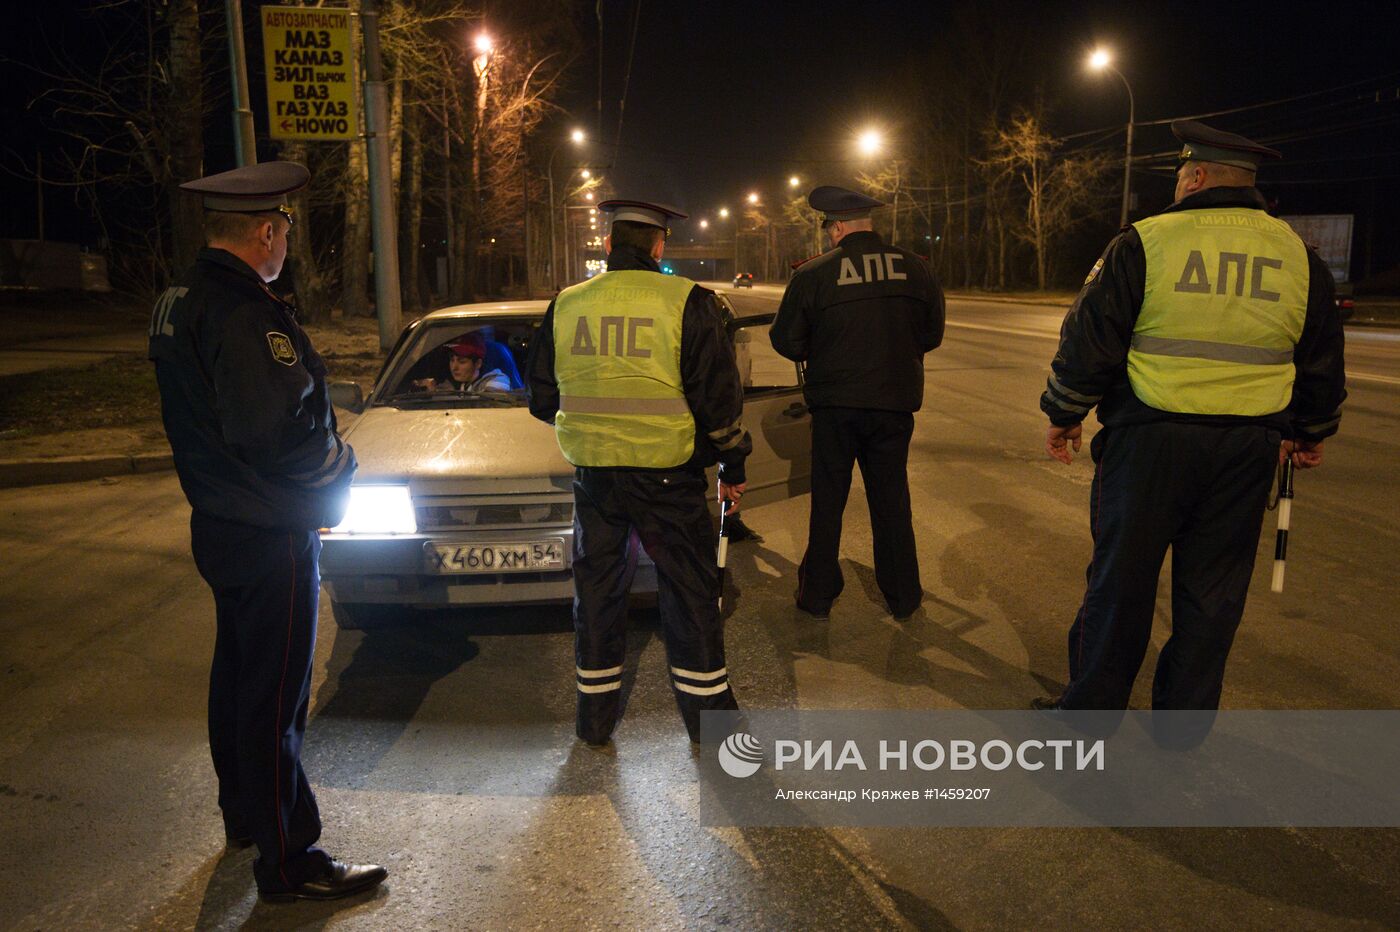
(709, 374)
(244, 400)
(1092, 361)
(861, 317)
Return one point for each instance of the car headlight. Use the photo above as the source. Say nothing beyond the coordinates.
(378, 509)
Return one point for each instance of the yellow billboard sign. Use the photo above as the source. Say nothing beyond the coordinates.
(307, 57)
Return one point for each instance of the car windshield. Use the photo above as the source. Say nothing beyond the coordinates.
(462, 363)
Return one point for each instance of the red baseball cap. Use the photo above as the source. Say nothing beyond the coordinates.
(471, 344)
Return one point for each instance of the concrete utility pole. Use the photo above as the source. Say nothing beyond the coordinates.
(529, 249)
(245, 143)
(381, 190)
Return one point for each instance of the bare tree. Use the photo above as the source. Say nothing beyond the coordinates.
(136, 120)
(1059, 193)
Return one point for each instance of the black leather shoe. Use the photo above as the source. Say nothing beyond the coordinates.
(338, 880)
(738, 532)
(1046, 704)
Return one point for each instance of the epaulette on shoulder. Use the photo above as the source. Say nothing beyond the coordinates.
(801, 262)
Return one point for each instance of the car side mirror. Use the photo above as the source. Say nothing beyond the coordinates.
(347, 395)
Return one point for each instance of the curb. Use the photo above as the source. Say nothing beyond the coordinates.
(16, 473)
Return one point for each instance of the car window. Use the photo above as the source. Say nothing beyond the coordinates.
(761, 369)
(461, 363)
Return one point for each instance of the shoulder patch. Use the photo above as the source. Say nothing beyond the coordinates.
(1094, 272)
(282, 349)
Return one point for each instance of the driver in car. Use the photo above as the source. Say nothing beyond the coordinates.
(465, 356)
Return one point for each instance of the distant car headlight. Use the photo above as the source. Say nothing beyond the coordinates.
(378, 509)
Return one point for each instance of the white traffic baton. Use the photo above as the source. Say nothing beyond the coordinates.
(1285, 512)
(723, 556)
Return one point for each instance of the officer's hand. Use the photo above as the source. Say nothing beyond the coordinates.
(1059, 439)
(731, 493)
(427, 385)
(1306, 453)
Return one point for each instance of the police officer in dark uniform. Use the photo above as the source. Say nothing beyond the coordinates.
(244, 400)
(861, 317)
(636, 371)
(1209, 339)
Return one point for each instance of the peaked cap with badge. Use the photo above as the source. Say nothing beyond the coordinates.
(647, 212)
(1201, 143)
(838, 203)
(252, 188)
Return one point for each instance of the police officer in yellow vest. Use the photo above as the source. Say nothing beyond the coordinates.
(1209, 339)
(636, 371)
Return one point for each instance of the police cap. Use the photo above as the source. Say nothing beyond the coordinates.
(656, 215)
(1200, 143)
(841, 203)
(252, 188)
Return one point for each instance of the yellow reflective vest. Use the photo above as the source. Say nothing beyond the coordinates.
(617, 360)
(1222, 310)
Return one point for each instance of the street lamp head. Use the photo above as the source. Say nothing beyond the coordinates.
(1100, 59)
(483, 43)
(704, 224)
(577, 137)
(753, 197)
(794, 181)
(869, 142)
(724, 213)
(588, 196)
(585, 174)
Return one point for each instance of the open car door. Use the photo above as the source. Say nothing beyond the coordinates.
(776, 416)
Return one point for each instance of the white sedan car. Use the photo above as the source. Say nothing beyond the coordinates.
(463, 498)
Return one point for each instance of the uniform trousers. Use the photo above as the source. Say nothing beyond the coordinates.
(667, 511)
(879, 442)
(1201, 490)
(266, 588)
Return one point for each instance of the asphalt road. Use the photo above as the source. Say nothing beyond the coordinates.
(444, 748)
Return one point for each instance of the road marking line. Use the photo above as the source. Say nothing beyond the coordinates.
(1370, 377)
(1015, 330)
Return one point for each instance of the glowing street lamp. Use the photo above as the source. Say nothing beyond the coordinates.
(1102, 60)
(794, 181)
(870, 142)
(753, 197)
(576, 137)
(484, 44)
(724, 213)
(704, 224)
(585, 174)
(588, 196)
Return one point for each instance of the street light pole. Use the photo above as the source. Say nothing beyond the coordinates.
(1098, 61)
(1128, 154)
(576, 137)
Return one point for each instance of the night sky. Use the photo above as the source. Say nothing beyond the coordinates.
(727, 97)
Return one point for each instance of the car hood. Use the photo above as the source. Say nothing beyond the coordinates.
(459, 451)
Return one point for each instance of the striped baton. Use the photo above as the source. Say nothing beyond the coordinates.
(1285, 511)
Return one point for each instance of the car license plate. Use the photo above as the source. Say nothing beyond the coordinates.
(522, 557)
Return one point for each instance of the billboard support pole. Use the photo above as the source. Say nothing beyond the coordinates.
(381, 193)
(244, 142)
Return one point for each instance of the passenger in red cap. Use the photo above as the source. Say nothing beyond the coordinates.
(465, 357)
